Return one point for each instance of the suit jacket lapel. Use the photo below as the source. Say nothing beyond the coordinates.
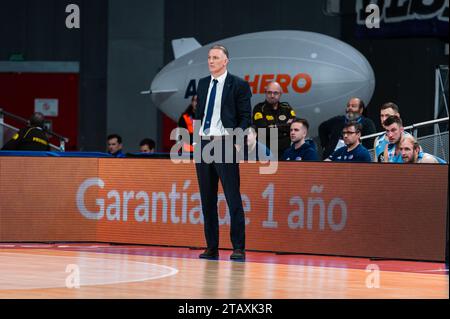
(204, 90)
(226, 88)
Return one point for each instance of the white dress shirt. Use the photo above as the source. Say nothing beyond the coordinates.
(216, 128)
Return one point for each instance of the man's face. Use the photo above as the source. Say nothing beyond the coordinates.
(297, 132)
(273, 94)
(384, 114)
(409, 154)
(114, 145)
(394, 133)
(353, 107)
(145, 149)
(217, 62)
(350, 135)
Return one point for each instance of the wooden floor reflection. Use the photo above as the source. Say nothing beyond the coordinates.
(52, 273)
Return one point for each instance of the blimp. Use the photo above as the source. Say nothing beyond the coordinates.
(318, 73)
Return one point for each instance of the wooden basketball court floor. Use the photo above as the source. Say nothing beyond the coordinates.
(133, 272)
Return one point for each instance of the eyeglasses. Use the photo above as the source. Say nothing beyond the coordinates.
(272, 92)
(348, 132)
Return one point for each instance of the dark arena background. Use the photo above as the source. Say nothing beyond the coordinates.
(77, 223)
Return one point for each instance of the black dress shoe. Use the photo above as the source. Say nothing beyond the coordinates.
(238, 254)
(209, 254)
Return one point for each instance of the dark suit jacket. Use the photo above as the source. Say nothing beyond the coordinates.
(236, 106)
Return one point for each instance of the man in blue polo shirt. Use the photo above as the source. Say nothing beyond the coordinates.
(115, 145)
(253, 149)
(301, 149)
(353, 151)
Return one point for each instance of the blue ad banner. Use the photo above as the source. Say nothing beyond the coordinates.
(402, 18)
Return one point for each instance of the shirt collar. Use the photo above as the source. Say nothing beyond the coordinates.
(221, 78)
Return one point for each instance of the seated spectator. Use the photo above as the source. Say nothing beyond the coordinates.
(394, 132)
(300, 150)
(253, 149)
(274, 114)
(386, 110)
(412, 152)
(115, 145)
(30, 138)
(330, 130)
(353, 151)
(147, 145)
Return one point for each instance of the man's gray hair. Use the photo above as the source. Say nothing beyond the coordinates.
(221, 48)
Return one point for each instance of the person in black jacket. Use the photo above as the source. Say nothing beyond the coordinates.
(330, 131)
(186, 121)
(301, 148)
(274, 114)
(223, 106)
(30, 138)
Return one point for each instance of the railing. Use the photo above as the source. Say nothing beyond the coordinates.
(62, 140)
(441, 91)
(436, 140)
(413, 127)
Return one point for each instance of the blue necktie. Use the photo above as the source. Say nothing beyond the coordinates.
(209, 111)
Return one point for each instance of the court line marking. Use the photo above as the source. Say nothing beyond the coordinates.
(112, 258)
(404, 272)
(172, 270)
(315, 267)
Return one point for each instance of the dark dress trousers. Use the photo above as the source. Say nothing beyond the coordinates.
(235, 112)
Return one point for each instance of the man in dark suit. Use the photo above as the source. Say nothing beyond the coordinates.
(223, 106)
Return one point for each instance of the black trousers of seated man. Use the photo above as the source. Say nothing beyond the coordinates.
(208, 175)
